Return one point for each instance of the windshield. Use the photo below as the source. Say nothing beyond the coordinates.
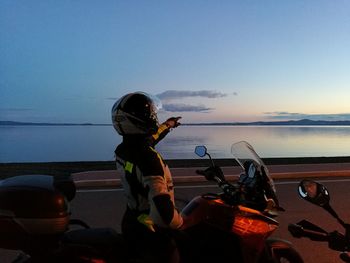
(244, 154)
(243, 151)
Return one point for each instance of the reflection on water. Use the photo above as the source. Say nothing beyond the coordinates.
(57, 143)
(269, 141)
(97, 143)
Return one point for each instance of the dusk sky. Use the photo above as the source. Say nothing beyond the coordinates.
(208, 61)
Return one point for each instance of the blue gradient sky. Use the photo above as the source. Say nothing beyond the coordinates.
(209, 61)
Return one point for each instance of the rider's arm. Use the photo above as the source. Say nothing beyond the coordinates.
(164, 129)
(165, 213)
(161, 194)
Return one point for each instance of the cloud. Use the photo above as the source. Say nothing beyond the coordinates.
(178, 94)
(185, 108)
(297, 116)
(174, 95)
(171, 95)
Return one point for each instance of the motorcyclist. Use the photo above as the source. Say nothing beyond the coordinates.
(151, 214)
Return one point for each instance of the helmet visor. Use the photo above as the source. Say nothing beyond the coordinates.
(157, 103)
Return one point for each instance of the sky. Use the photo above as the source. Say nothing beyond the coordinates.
(208, 61)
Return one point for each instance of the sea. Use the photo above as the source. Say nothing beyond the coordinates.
(97, 143)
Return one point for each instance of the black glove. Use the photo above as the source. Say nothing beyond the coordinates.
(173, 122)
(213, 171)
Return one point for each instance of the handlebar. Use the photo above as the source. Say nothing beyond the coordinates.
(215, 173)
(212, 173)
(336, 240)
(233, 194)
(298, 231)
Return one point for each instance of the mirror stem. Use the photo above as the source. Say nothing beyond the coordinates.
(334, 214)
(212, 162)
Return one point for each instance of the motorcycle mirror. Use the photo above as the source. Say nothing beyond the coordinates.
(201, 151)
(318, 194)
(314, 192)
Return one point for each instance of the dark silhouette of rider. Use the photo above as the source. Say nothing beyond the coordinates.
(151, 215)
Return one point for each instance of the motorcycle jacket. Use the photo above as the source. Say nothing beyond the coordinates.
(147, 181)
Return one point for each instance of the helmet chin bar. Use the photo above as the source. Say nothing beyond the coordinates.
(127, 124)
(135, 114)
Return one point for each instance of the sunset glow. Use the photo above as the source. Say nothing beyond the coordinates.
(227, 61)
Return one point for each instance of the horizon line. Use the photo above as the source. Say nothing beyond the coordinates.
(281, 122)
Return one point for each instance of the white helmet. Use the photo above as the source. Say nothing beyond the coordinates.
(136, 113)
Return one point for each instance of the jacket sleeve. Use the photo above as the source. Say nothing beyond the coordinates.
(161, 196)
(163, 130)
(162, 209)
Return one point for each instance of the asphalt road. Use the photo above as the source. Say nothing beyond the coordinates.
(104, 208)
(111, 178)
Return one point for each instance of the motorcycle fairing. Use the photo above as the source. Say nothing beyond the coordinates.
(249, 222)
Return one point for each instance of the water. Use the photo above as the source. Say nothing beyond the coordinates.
(97, 143)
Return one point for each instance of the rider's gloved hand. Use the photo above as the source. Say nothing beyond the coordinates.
(173, 122)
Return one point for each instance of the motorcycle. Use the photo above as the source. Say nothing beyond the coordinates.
(243, 212)
(234, 225)
(317, 194)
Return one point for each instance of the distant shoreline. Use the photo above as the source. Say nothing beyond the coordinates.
(15, 123)
(303, 122)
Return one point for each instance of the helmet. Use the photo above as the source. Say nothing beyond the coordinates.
(135, 113)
